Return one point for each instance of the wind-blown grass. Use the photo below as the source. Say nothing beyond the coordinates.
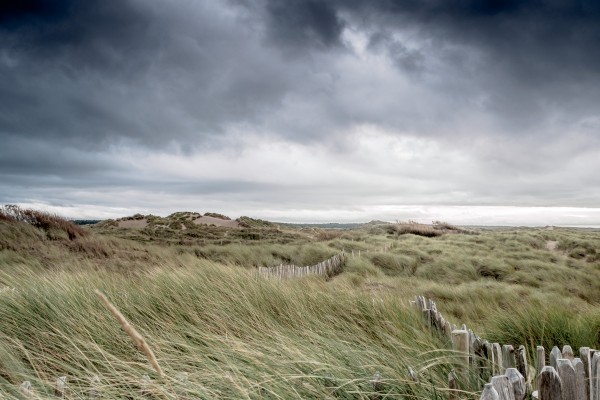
(235, 335)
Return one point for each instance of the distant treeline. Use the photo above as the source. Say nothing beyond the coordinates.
(85, 221)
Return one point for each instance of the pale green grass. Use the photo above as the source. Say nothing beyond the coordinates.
(236, 336)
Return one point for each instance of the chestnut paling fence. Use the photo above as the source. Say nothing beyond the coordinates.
(511, 377)
(328, 268)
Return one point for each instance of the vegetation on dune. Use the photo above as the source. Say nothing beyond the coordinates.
(202, 309)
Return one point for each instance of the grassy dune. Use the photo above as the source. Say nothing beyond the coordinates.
(204, 312)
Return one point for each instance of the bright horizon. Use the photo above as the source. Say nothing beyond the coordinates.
(458, 215)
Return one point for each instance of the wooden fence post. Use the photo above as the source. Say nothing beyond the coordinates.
(26, 389)
(499, 369)
(584, 355)
(522, 364)
(61, 387)
(489, 355)
(517, 382)
(549, 385)
(555, 354)
(489, 393)
(566, 372)
(567, 352)
(460, 343)
(508, 353)
(541, 359)
(503, 387)
(595, 376)
(580, 381)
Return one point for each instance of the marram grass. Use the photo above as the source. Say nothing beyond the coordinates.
(233, 334)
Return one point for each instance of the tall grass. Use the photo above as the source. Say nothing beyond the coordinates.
(236, 336)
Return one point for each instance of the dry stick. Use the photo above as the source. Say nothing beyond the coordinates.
(138, 340)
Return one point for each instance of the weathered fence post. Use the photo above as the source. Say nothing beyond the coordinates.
(26, 389)
(522, 364)
(555, 354)
(567, 352)
(541, 359)
(595, 376)
(61, 387)
(497, 350)
(566, 372)
(517, 382)
(508, 353)
(549, 385)
(580, 382)
(489, 393)
(460, 343)
(503, 387)
(584, 355)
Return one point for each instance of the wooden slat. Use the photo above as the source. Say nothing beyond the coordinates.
(566, 372)
(517, 381)
(503, 387)
(489, 393)
(549, 385)
(580, 381)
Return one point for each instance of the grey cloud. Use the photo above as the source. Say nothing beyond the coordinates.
(300, 23)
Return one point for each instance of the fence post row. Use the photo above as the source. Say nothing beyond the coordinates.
(512, 378)
(328, 268)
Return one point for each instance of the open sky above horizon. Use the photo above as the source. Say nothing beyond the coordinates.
(474, 112)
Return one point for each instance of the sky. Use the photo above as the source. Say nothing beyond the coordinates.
(470, 111)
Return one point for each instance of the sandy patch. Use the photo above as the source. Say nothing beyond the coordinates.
(133, 223)
(552, 245)
(206, 220)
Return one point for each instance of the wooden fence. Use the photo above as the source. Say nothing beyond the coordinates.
(566, 377)
(328, 268)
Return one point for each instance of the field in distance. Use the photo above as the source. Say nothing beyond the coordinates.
(189, 284)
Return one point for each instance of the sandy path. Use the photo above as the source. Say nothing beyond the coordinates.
(133, 223)
(206, 220)
(552, 245)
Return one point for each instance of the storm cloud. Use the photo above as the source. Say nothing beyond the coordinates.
(293, 108)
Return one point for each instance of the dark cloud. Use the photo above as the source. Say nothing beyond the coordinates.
(300, 23)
